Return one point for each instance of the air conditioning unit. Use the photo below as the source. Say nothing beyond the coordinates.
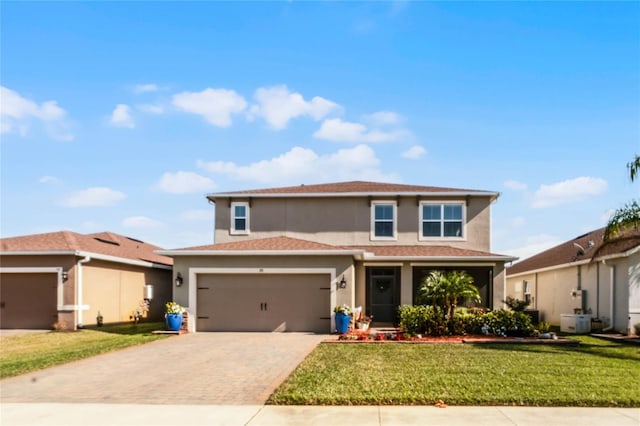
(579, 324)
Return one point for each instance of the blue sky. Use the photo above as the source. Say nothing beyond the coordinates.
(120, 116)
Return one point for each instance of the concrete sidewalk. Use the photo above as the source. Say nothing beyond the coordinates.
(255, 415)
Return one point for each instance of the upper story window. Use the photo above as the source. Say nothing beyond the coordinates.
(441, 220)
(239, 218)
(383, 220)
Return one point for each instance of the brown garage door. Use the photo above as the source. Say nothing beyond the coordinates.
(264, 302)
(28, 300)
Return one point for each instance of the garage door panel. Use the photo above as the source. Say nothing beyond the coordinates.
(264, 302)
(28, 300)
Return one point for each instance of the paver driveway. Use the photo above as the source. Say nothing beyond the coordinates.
(199, 368)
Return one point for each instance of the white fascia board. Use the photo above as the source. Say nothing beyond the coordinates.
(98, 256)
(126, 261)
(260, 252)
(578, 263)
(212, 197)
(30, 270)
(370, 256)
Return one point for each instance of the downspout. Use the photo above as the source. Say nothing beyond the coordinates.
(535, 305)
(79, 289)
(597, 290)
(612, 277)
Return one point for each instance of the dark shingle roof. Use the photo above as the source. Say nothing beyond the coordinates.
(105, 243)
(360, 187)
(578, 249)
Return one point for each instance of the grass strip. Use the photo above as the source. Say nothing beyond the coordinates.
(595, 373)
(22, 354)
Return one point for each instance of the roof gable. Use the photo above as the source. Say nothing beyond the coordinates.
(104, 243)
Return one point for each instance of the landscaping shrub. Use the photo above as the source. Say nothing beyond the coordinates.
(422, 319)
(431, 321)
(508, 323)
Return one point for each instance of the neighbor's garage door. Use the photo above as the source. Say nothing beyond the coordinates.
(264, 302)
(28, 300)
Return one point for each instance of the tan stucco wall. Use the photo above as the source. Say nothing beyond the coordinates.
(116, 286)
(551, 291)
(347, 221)
(633, 270)
(117, 289)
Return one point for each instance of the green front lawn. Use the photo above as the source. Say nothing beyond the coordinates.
(596, 373)
(29, 352)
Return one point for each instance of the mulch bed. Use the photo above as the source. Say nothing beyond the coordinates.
(391, 337)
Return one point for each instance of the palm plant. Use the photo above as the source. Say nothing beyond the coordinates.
(445, 290)
(624, 224)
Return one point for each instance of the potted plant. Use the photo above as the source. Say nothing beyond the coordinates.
(362, 322)
(343, 318)
(174, 316)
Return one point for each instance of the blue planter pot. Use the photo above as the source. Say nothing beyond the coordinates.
(174, 322)
(342, 323)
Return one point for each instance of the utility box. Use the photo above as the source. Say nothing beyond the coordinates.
(571, 323)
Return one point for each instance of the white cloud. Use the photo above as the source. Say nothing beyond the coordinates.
(150, 108)
(303, 165)
(568, 191)
(384, 118)
(49, 179)
(334, 129)
(415, 152)
(277, 105)
(17, 112)
(185, 183)
(515, 185)
(97, 196)
(215, 105)
(121, 117)
(144, 88)
(141, 222)
(534, 245)
(197, 215)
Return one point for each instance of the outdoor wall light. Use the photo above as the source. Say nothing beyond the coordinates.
(179, 280)
(342, 283)
(65, 276)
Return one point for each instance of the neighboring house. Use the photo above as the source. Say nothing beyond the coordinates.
(284, 257)
(565, 280)
(65, 278)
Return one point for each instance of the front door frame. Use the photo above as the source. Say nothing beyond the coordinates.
(373, 271)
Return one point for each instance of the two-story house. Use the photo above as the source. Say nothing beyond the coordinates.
(284, 257)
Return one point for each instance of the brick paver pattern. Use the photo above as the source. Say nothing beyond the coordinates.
(199, 368)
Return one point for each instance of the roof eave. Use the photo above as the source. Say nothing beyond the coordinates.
(492, 195)
(577, 263)
(80, 253)
(371, 256)
(259, 252)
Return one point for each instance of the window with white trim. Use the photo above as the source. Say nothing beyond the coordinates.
(527, 291)
(383, 220)
(240, 218)
(441, 220)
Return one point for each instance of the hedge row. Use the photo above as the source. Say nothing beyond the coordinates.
(432, 321)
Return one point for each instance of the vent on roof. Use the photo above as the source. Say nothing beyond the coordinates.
(102, 240)
(137, 241)
(581, 236)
